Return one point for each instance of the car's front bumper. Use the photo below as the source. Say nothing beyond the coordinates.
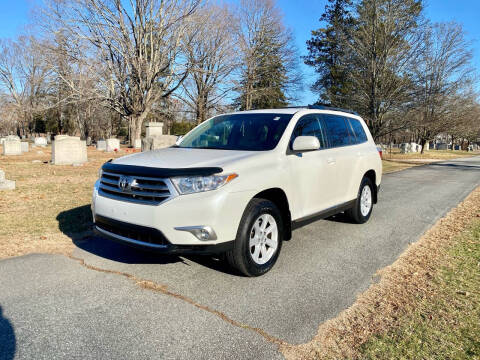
(150, 239)
(219, 210)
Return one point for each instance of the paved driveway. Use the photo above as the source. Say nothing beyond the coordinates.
(55, 307)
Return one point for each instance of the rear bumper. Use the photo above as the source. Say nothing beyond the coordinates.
(150, 239)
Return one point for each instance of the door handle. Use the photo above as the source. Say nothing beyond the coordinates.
(331, 161)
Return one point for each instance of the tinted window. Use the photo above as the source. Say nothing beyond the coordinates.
(358, 131)
(337, 131)
(310, 125)
(238, 132)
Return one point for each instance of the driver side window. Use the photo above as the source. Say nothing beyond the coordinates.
(309, 125)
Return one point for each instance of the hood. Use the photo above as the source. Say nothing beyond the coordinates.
(170, 158)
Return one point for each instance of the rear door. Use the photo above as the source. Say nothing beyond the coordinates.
(312, 174)
(340, 141)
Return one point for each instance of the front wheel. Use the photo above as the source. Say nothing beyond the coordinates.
(259, 239)
(362, 209)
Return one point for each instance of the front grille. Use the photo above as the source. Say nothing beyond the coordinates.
(139, 189)
(136, 232)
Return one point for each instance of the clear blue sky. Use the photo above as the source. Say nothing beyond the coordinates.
(300, 15)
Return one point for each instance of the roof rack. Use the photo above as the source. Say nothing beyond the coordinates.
(323, 107)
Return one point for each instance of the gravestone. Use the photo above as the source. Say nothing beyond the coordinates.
(2, 140)
(405, 148)
(112, 144)
(40, 141)
(89, 141)
(442, 146)
(154, 129)
(6, 184)
(137, 144)
(68, 150)
(49, 139)
(413, 147)
(101, 145)
(158, 142)
(24, 146)
(12, 146)
(457, 147)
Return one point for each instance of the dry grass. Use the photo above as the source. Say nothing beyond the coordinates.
(393, 166)
(51, 204)
(387, 307)
(428, 155)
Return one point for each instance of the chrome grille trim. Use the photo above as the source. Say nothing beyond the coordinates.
(141, 189)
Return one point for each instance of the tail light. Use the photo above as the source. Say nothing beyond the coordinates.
(380, 152)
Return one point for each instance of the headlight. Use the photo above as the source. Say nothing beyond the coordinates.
(100, 173)
(195, 184)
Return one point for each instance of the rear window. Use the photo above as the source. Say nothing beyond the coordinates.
(337, 131)
(358, 130)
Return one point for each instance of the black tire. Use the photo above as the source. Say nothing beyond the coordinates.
(240, 257)
(355, 213)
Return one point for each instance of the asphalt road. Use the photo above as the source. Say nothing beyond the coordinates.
(53, 307)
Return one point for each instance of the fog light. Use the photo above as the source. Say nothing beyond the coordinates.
(203, 233)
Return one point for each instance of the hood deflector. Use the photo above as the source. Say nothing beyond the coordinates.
(159, 172)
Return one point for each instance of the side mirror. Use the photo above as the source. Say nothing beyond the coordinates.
(305, 143)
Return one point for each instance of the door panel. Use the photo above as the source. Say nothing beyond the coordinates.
(312, 172)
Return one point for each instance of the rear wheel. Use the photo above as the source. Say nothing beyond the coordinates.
(362, 209)
(259, 239)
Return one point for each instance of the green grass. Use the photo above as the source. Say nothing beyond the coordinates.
(447, 324)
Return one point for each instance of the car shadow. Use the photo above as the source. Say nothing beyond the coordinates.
(77, 224)
(7, 338)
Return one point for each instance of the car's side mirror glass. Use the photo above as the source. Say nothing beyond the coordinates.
(306, 143)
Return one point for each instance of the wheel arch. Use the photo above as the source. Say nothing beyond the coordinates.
(279, 198)
(372, 175)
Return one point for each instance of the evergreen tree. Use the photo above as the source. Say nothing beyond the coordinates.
(328, 54)
(269, 60)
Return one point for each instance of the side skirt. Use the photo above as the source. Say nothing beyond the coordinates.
(298, 223)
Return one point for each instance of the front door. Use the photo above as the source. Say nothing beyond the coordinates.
(312, 172)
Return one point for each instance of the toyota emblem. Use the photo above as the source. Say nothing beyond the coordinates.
(125, 183)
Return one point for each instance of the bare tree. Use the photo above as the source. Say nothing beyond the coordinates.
(443, 75)
(139, 44)
(23, 78)
(381, 50)
(211, 52)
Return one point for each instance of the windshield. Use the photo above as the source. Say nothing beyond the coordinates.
(257, 132)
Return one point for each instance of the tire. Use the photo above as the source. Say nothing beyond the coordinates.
(255, 251)
(362, 209)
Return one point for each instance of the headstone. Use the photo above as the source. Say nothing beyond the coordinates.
(68, 150)
(137, 144)
(442, 146)
(24, 146)
(2, 140)
(413, 147)
(158, 142)
(12, 146)
(457, 147)
(6, 184)
(112, 144)
(419, 148)
(101, 145)
(40, 141)
(154, 129)
(89, 141)
(405, 148)
(49, 138)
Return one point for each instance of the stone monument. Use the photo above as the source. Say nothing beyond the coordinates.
(68, 150)
(6, 184)
(12, 146)
(112, 144)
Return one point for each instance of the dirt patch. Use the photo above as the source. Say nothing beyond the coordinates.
(401, 286)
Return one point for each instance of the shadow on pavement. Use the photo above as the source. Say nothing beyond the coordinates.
(7, 338)
(74, 221)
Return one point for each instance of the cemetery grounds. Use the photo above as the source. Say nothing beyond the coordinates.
(426, 304)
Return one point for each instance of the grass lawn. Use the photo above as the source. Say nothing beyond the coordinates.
(51, 203)
(430, 154)
(445, 324)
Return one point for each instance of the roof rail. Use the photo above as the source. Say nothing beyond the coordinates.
(322, 107)
(329, 107)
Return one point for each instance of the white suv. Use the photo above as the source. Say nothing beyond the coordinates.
(238, 183)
